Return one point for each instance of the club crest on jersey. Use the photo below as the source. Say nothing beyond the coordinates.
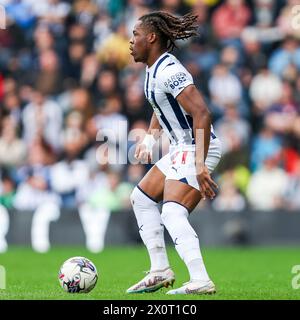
(175, 80)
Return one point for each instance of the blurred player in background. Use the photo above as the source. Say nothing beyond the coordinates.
(182, 177)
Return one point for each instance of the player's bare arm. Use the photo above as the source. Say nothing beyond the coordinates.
(193, 103)
(143, 150)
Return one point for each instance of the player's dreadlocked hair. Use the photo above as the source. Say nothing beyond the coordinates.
(170, 28)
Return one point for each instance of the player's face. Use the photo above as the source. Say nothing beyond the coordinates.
(138, 43)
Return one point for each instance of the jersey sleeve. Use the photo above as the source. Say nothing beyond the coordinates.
(173, 78)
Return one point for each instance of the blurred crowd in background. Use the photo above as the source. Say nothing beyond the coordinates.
(66, 74)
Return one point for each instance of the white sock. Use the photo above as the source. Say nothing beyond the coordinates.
(175, 219)
(151, 228)
(197, 270)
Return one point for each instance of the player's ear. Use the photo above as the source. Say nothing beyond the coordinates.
(152, 37)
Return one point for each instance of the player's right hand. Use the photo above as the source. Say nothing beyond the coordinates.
(142, 154)
(206, 183)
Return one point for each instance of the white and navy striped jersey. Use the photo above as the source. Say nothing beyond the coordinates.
(164, 80)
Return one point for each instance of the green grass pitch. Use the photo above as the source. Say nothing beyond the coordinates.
(239, 273)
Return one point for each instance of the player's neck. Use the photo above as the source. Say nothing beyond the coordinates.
(153, 57)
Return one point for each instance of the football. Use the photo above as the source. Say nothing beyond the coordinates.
(78, 275)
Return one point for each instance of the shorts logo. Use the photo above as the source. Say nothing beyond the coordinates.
(176, 80)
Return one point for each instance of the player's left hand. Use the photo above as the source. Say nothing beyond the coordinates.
(206, 183)
(142, 154)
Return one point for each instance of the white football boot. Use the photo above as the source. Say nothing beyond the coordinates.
(153, 281)
(195, 287)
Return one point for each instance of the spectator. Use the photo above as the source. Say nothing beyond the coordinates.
(74, 130)
(264, 12)
(231, 58)
(232, 130)
(255, 58)
(280, 116)
(78, 33)
(263, 27)
(12, 149)
(69, 174)
(225, 88)
(206, 34)
(43, 39)
(288, 53)
(134, 10)
(89, 71)
(76, 52)
(48, 77)
(265, 89)
(239, 175)
(42, 117)
(265, 145)
(34, 178)
(171, 6)
(84, 12)
(267, 186)
(109, 122)
(21, 13)
(230, 19)
(107, 53)
(229, 198)
(7, 194)
(107, 84)
(102, 29)
(53, 13)
(285, 18)
(12, 106)
(115, 196)
(81, 101)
